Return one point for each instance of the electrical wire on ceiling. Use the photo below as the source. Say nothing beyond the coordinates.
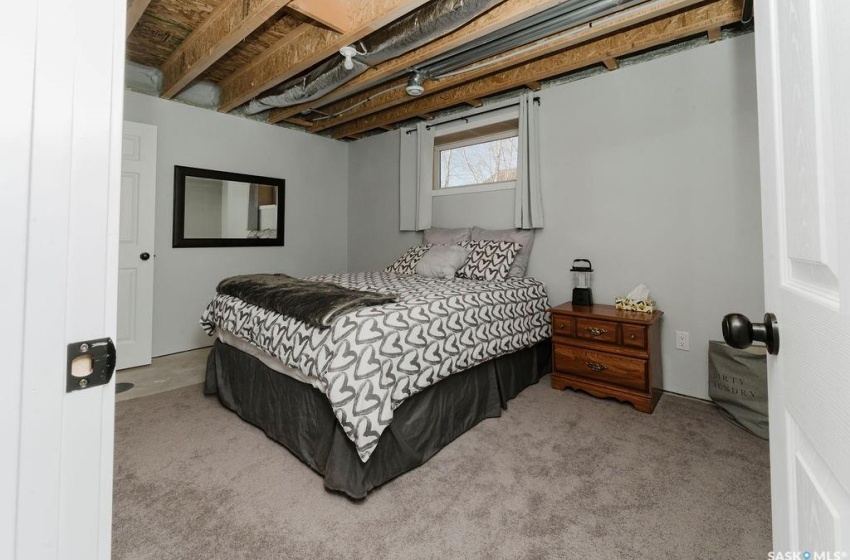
(326, 116)
(419, 27)
(572, 17)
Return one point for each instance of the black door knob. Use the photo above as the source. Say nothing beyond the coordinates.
(145, 256)
(739, 332)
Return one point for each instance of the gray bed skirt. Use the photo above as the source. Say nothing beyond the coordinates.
(299, 416)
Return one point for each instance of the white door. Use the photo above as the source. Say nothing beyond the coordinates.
(60, 154)
(803, 66)
(136, 257)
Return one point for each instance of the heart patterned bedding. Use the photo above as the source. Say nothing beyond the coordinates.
(369, 361)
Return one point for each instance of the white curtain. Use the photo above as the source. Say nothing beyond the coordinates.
(416, 178)
(528, 204)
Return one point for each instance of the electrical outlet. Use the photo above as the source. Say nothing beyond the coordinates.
(683, 340)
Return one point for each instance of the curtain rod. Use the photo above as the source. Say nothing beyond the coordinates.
(466, 118)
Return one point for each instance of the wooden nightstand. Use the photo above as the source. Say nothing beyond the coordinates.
(608, 353)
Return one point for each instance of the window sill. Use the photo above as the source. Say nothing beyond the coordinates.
(471, 189)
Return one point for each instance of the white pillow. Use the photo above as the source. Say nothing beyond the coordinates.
(442, 261)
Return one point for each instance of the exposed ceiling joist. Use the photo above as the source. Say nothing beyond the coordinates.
(333, 13)
(288, 58)
(534, 86)
(231, 22)
(713, 34)
(299, 122)
(506, 13)
(611, 64)
(135, 9)
(371, 101)
(663, 30)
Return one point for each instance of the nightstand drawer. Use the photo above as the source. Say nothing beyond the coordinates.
(562, 326)
(601, 366)
(634, 335)
(593, 329)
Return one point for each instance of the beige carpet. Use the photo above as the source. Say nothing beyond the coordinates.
(560, 475)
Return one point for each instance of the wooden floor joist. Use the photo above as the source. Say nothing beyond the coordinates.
(506, 13)
(336, 14)
(611, 64)
(534, 86)
(288, 58)
(474, 103)
(299, 122)
(713, 34)
(135, 9)
(680, 25)
(224, 28)
(381, 98)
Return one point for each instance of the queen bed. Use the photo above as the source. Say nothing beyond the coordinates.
(383, 388)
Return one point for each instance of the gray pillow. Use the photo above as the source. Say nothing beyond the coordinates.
(524, 237)
(446, 236)
(442, 261)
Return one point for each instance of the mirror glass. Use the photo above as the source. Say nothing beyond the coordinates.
(220, 209)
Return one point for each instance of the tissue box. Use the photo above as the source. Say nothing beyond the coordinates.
(643, 305)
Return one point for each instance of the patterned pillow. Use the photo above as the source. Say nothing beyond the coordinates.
(488, 259)
(406, 264)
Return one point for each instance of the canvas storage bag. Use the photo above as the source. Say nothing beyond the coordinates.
(737, 382)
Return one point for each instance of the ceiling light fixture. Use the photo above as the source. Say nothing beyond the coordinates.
(348, 51)
(414, 85)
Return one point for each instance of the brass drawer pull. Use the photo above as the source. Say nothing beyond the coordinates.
(596, 366)
(595, 331)
(561, 326)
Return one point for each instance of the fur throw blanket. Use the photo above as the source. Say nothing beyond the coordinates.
(316, 303)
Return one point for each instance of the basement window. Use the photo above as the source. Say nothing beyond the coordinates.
(476, 159)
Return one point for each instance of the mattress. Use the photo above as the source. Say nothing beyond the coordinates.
(371, 360)
(270, 361)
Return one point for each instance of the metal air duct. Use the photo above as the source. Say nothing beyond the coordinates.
(431, 21)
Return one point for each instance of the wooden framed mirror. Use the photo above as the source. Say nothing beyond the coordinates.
(223, 209)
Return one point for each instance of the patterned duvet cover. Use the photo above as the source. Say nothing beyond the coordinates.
(369, 361)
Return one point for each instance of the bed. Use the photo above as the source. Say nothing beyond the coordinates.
(385, 387)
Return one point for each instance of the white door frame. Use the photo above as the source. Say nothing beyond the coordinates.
(60, 155)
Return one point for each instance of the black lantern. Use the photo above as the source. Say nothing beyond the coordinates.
(581, 274)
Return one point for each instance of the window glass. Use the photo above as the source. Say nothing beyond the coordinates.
(490, 161)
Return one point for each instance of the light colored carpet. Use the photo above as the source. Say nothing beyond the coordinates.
(559, 475)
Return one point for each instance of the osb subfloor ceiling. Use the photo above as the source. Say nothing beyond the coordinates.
(241, 49)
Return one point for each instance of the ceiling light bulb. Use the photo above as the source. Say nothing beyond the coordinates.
(414, 85)
(348, 52)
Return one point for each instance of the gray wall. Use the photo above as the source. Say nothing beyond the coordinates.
(374, 240)
(316, 173)
(650, 171)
